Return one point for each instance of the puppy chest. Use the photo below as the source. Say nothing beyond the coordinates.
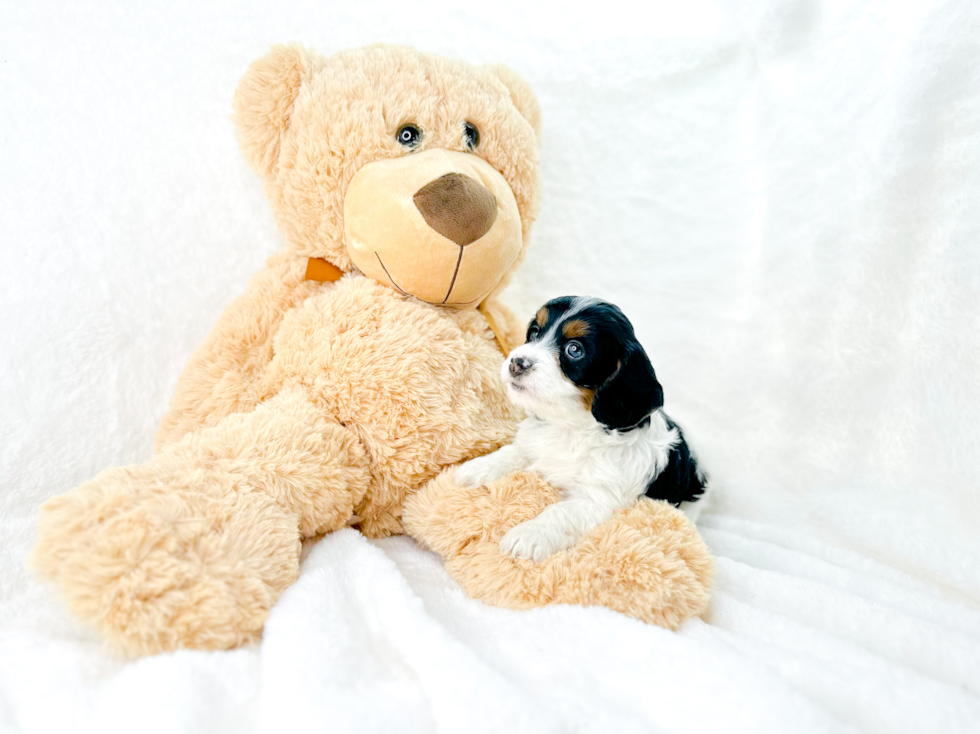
(561, 467)
(560, 458)
(569, 461)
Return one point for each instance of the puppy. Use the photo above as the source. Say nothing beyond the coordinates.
(595, 431)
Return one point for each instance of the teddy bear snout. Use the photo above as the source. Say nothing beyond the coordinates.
(458, 207)
(440, 225)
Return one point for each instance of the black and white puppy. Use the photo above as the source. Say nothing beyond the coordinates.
(595, 430)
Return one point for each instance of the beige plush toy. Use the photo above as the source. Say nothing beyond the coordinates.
(361, 362)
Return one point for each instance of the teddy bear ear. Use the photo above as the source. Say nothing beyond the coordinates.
(521, 95)
(264, 100)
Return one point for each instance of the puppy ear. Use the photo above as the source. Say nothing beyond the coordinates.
(264, 101)
(521, 95)
(630, 394)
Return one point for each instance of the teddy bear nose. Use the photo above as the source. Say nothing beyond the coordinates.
(458, 207)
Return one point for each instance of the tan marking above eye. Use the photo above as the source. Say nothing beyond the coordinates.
(575, 329)
(541, 317)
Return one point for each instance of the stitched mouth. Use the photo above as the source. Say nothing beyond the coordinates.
(455, 273)
(397, 287)
(444, 301)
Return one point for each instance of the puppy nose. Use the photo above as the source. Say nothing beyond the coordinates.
(520, 365)
(458, 207)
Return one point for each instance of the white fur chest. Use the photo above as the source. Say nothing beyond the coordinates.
(579, 459)
(559, 455)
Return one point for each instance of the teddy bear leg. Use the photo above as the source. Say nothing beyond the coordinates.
(191, 549)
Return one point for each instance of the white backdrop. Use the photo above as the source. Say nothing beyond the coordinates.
(783, 196)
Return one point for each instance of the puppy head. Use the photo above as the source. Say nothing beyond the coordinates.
(582, 362)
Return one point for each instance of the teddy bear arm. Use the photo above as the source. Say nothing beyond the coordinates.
(220, 376)
(293, 450)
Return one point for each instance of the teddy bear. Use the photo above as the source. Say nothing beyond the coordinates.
(357, 369)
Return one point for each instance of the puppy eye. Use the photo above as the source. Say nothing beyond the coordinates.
(532, 332)
(409, 136)
(471, 136)
(574, 350)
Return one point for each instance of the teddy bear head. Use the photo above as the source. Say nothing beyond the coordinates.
(419, 171)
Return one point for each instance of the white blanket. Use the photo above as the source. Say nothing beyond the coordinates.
(783, 196)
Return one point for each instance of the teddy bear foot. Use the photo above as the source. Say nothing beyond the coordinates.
(156, 566)
(648, 561)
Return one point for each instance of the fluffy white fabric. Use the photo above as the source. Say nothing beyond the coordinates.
(783, 196)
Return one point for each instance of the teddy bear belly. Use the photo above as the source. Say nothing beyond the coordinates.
(417, 384)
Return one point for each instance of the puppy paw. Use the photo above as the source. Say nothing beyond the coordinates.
(476, 472)
(534, 541)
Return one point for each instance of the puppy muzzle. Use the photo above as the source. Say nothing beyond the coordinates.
(519, 365)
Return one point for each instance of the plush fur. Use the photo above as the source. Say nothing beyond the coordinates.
(315, 405)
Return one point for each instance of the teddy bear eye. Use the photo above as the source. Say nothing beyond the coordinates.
(471, 135)
(408, 135)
